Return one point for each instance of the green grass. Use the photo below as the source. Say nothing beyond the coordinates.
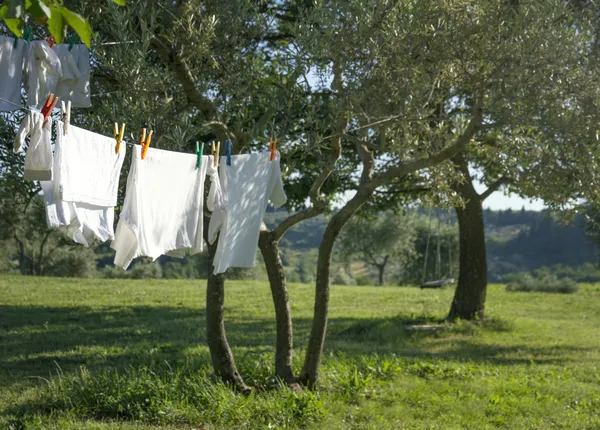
(114, 354)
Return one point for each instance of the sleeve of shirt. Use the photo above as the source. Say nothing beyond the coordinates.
(24, 131)
(217, 200)
(277, 196)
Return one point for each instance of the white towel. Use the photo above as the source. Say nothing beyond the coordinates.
(247, 186)
(11, 71)
(43, 71)
(81, 199)
(163, 209)
(38, 160)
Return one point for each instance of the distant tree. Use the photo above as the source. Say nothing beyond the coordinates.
(380, 242)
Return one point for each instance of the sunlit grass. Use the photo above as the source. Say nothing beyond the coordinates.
(132, 355)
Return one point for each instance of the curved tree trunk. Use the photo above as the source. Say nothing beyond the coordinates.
(216, 337)
(284, 349)
(316, 341)
(470, 294)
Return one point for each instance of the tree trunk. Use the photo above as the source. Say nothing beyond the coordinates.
(381, 268)
(316, 341)
(469, 298)
(284, 349)
(220, 352)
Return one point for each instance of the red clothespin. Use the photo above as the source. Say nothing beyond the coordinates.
(145, 142)
(49, 106)
(272, 147)
(51, 41)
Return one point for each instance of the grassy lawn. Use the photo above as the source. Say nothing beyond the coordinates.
(103, 354)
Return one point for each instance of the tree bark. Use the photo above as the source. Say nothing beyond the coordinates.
(316, 341)
(381, 268)
(284, 348)
(220, 352)
(470, 294)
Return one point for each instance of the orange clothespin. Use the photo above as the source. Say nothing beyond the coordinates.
(49, 106)
(51, 41)
(119, 136)
(145, 142)
(272, 147)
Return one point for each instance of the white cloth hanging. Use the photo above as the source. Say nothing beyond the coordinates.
(74, 85)
(38, 159)
(82, 198)
(11, 71)
(247, 186)
(42, 72)
(164, 204)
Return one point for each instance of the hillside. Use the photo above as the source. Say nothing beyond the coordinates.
(517, 241)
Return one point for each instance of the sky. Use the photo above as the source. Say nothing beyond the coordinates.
(499, 201)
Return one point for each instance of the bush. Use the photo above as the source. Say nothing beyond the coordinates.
(140, 271)
(542, 284)
(146, 271)
(71, 263)
(364, 280)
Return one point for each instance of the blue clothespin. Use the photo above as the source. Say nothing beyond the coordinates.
(228, 151)
(199, 151)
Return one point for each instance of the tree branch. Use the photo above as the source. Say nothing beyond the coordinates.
(422, 163)
(493, 188)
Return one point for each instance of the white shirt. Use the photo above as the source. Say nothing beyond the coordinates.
(247, 185)
(43, 70)
(11, 71)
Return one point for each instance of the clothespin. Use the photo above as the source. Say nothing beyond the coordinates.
(119, 136)
(49, 106)
(272, 147)
(71, 40)
(145, 142)
(51, 41)
(66, 115)
(228, 151)
(215, 153)
(199, 151)
(27, 33)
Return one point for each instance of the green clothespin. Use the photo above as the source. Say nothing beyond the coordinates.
(27, 33)
(71, 40)
(199, 151)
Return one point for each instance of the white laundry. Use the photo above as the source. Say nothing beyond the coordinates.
(74, 85)
(247, 186)
(81, 199)
(38, 159)
(43, 71)
(11, 71)
(163, 208)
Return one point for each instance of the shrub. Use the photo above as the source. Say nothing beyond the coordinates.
(71, 263)
(543, 284)
(146, 271)
(364, 280)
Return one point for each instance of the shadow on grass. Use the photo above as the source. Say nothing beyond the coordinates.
(37, 340)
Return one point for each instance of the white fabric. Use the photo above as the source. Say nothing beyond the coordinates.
(163, 208)
(247, 186)
(43, 71)
(74, 85)
(81, 199)
(38, 159)
(11, 71)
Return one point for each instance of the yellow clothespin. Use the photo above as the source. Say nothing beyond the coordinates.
(119, 136)
(145, 141)
(272, 148)
(215, 153)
